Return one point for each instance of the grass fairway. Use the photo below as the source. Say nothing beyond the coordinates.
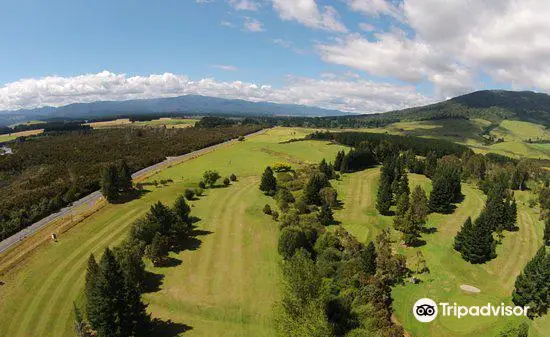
(447, 269)
(225, 287)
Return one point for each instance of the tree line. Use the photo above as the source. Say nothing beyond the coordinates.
(332, 284)
(48, 172)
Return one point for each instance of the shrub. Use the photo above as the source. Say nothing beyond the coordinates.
(241, 138)
(281, 167)
(189, 194)
(267, 209)
(233, 177)
(202, 185)
(275, 215)
(198, 191)
(226, 182)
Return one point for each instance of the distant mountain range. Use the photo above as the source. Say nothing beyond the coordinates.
(191, 104)
(493, 105)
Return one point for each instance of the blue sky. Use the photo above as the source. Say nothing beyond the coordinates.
(355, 55)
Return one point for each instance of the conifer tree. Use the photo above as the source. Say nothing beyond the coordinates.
(124, 179)
(162, 216)
(268, 184)
(384, 198)
(465, 230)
(316, 182)
(326, 169)
(157, 251)
(338, 160)
(325, 216)
(419, 205)
(344, 164)
(476, 243)
(368, 256)
(109, 184)
(182, 210)
(402, 204)
(531, 287)
(92, 272)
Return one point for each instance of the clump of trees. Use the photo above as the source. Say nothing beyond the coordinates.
(531, 287)
(446, 184)
(268, 184)
(411, 215)
(209, 178)
(116, 181)
(113, 305)
(48, 172)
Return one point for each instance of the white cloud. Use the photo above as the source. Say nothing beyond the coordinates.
(376, 8)
(308, 13)
(245, 5)
(333, 92)
(367, 27)
(253, 25)
(226, 67)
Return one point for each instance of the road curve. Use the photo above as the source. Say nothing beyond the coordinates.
(92, 198)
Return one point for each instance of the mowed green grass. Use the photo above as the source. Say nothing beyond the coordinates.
(226, 287)
(447, 269)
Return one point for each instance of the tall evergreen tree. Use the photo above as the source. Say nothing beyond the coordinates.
(384, 198)
(419, 205)
(446, 187)
(316, 182)
(92, 272)
(109, 183)
(533, 284)
(326, 169)
(182, 210)
(115, 308)
(268, 183)
(161, 215)
(461, 236)
(338, 160)
(368, 256)
(124, 179)
(476, 243)
(325, 216)
(402, 204)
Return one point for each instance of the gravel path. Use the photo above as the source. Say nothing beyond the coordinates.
(92, 198)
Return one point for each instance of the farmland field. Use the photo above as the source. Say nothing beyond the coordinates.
(168, 122)
(12, 136)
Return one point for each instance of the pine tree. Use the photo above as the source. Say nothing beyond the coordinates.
(109, 183)
(326, 169)
(344, 165)
(419, 205)
(325, 216)
(476, 243)
(157, 251)
(316, 182)
(338, 160)
(531, 287)
(465, 230)
(124, 179)
(182, 210)
(368, 256)
(161, 215)
(442, 194)
(402, 204)
(511, 214)
(384, 197)
(268, 184)
(92, 272)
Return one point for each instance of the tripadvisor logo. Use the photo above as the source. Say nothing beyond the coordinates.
(426, 310)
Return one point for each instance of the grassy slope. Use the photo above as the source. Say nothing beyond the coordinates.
(224, 288)
(448, 270)
(467, 132)
(12, 136)
(168, 122)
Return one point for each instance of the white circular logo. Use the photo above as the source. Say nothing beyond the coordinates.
(425, 310)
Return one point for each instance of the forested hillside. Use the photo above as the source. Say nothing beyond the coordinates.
(48, 172)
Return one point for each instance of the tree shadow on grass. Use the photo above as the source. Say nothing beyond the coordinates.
(133, 195)
(168, 328)
(429, 230)
(192, 242)
(170, 262)
(151, 282)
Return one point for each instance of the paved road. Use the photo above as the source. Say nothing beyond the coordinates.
(92, 198)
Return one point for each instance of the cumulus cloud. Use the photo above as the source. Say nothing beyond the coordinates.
(253, 25)
(451, 42)
(308, 13)
(333, 92)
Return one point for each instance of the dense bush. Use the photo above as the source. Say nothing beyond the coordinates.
(48, 172)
